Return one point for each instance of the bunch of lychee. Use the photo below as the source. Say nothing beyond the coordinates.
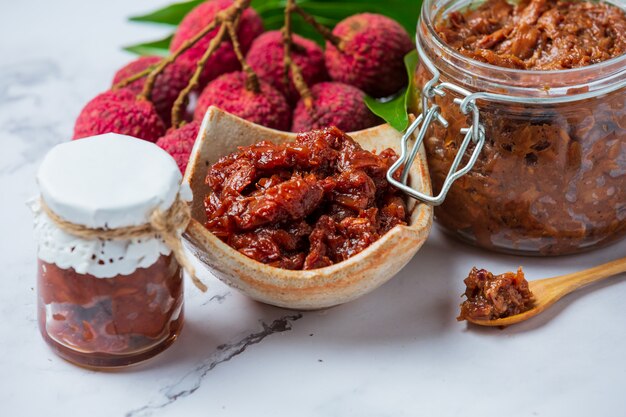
(245, 73)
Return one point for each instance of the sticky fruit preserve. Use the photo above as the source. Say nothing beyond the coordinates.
(106, 303)
(548, 79)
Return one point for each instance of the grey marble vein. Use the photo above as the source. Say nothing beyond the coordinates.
(219, 298)
(192, 381)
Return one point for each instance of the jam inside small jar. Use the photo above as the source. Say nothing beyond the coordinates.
(551, 176)
(110, 322)
(110, 289)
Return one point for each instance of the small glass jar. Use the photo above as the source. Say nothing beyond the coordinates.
(105, 303)
(551, 176)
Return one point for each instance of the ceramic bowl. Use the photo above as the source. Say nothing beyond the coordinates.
(220, 135)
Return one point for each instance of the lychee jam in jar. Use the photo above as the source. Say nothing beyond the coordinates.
(105, 303)
(548, 78)
(110, 322)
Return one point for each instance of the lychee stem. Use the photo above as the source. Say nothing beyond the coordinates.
(125, 82)
(289, 64)
(146, 92)
(319, 28)
(252, 80)
(224, 18)
(181, 100)
(154, 70)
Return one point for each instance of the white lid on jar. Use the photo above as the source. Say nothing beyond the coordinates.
(109, 181)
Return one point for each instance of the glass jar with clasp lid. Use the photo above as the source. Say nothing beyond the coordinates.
(522, 161)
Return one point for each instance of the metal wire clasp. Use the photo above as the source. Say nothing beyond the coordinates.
(430, 113)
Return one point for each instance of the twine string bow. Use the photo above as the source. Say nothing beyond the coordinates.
(166, 224)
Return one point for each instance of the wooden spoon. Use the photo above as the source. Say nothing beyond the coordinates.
(550, 290)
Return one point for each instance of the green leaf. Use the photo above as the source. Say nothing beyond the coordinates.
(327, 12)
(405, 12)
(410, 62)
(159, 47)
(169, 15)
(395, 111)
(392, 111)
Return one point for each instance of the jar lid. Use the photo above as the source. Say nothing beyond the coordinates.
(109, 181)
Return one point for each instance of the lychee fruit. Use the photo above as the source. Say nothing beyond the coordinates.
(119, 111)
(167, 86)
(370, 54)
(266, 57)
(268, 107)
(179, 143)
(223, 60)
(334, 104)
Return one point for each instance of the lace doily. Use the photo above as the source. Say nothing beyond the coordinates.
(100, 258)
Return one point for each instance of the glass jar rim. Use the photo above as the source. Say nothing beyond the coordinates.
(548, 83)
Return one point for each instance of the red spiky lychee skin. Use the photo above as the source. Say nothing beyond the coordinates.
(372, 54)
(223, 59)
(334, 104)
(179, 143)
(119, 111)
(266, 57)
(167, 85)
(228, 92)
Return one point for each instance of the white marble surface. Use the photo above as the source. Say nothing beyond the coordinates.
(396, 352)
